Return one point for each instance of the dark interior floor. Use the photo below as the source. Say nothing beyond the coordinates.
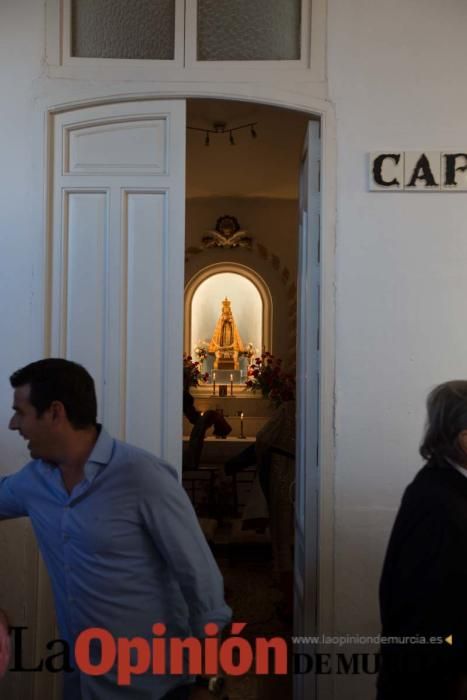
(253, 597)
(245, 559)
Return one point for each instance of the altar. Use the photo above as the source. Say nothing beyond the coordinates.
(226, 376)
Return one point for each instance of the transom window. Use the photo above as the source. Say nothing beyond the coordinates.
(184, 34)
(123, 29)
(248, 30)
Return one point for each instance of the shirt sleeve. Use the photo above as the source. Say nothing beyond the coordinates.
(173, 526)
(11, 503)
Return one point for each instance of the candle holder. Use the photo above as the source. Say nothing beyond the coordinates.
(214, 384)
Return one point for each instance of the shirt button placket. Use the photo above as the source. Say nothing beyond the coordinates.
(67, 554)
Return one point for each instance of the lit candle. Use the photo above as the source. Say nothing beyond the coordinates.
(242, 434)
(213, 383)
(231, 385)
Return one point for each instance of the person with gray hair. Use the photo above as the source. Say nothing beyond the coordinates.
(423, 588)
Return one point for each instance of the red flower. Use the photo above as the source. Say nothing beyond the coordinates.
(266, 374)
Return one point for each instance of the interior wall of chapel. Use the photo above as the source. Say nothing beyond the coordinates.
(272, 223)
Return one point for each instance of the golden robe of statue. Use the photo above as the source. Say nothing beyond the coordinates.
(226, 343)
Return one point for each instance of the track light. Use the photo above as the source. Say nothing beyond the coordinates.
(220, 128)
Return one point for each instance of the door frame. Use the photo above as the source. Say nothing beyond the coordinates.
(271, 95)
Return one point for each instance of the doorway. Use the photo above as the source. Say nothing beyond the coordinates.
(246, 210)
(107, 192)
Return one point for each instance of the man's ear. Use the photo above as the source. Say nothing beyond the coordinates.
(462, 439)
(58, 412)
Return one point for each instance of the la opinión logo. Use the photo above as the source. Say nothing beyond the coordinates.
(234, 656)
(97, 651)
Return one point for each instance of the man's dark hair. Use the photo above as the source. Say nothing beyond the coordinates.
(447, 417)
(55, 379)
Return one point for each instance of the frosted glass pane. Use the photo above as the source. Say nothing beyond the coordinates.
(123, 29)
(248, 30)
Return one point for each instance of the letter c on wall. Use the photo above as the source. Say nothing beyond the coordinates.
(377, 169)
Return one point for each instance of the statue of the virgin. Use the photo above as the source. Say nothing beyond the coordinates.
(226, 343)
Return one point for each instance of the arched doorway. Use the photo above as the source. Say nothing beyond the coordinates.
(327, 335)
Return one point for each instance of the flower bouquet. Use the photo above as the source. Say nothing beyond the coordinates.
(250, 351)
(201, 350)
(192, 374)
(265, 374)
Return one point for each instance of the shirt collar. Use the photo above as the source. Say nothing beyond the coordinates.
(457, 467)
(101, 454)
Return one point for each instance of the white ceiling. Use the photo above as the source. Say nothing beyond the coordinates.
(267, 166)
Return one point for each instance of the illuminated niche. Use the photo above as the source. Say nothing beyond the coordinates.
(250, 302)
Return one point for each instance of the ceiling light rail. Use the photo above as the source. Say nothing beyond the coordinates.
(222, 128)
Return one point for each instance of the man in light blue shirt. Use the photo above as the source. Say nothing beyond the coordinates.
(117, 532)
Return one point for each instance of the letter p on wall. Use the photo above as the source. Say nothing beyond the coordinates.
(418, 171)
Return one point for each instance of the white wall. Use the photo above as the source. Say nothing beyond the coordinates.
(396, 77)
(396, 72)
(21, 286)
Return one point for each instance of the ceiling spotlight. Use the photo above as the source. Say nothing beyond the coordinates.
(219, 128)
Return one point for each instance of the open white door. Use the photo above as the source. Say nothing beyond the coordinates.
(118, 230)
(308, 402)
(116, 275)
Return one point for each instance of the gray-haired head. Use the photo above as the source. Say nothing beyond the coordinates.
(446, 420)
